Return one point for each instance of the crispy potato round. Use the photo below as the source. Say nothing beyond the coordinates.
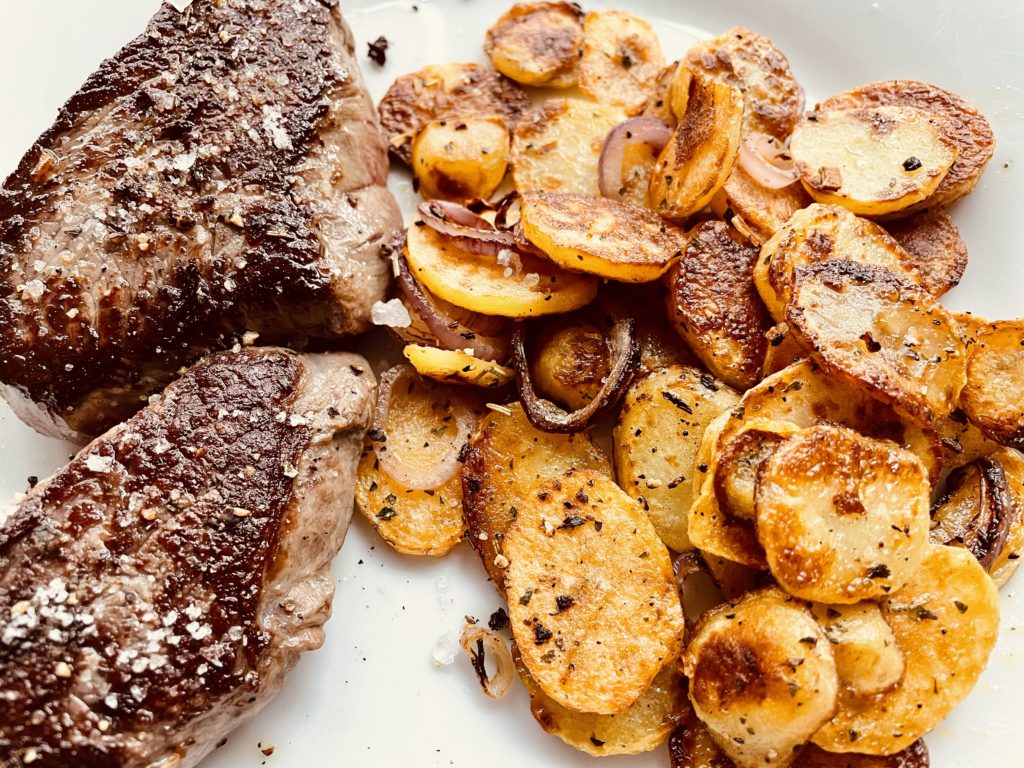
(872, 161)
(655, 440)
(783, 350)
(461, 158)
(946, 620)
(449, 90)
(592, 598)
(880, 331)
(479, 284)
(868, 659)
(506, 458)
(556, 146)
(960, 441)
(537, 43)
(993, 397)
(602, 237)
(1006, 563)
(774, 100)
(658, 103)
(620, 59)
(456, 367)
(961, 122)
(761, 211)
(762, 677)
(739, 461)
(935, 247)
(713, 304)
(571, 362)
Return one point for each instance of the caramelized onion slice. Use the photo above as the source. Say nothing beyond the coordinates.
(635, 130)
(456, 220)
(479, 644)
(976, 510)
(766, 161)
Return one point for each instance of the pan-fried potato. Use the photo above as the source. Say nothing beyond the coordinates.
(713, 304)
(620, 59)
(993, 397)
(658, 103)
(774, 100)
(479, 284)
(1006, 563)
(761, 211)
(946, 619)
(701, 153)
(506, 458)
(556, 146)
(762, 677)
(739, 461)
(452, 90)
(602, 237)
(935, 247)
(592, 598)
(462, 158)
(874, 328)
(961, 122)
(537, 43)
(872, 161)
(570, 364)
(783, 350)
(961, 442)
(820, 233)
(456, 367)
(868, 659)
(655, 441)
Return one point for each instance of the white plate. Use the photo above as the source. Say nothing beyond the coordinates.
(373, 696)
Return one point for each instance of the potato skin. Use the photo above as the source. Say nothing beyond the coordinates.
(570, 363)
(537, 43)
(935, 246)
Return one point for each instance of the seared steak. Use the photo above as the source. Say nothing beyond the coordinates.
(156, 590)
(224, 173)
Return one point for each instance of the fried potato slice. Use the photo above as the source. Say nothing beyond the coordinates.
(872, 161)
(961, 442)
(841, 517)
(461, 158)
(571, 362)
(506, 458)
(593, 603)
(1006, 563)
(774, 100)
(993, 397)
(961, 122)
(946, 620)
(479, 284)
(658, 103)
(556, 146)
(537, 43)
(620, 59)
(935, 247)
(880, 331)
(783, 350)
(613, 240)
(655, 441)
(456, 367)
(761, 211)
(448, 90)
(762, 677)
(714, 306)
(868, 659)
(739, 461)
(701, 153)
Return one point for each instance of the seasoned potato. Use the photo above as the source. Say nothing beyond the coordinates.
(773, 99)
(762, 677)
(713, 304)
(655, 441)
(961, 122)
(935, 247)
(783, 350)
(555, 148)
(479, 283)
(462, 158)
(537, 43)
(872, 161)
(877, 329)
(571, 362)
(506, 458)
(993, 397)
(592, 598)
(1009, 558)
(620, 59)
(456, 367)
(946, 619)
(698, 158)
(961, 442)
(658, 103)
(739, 461)
(691, 746)
(757, 211)
(455, 91)
(868, 658)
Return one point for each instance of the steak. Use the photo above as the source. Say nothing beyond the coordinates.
(156, 590)
(223, 174)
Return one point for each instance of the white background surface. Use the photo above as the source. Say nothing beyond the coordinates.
(373, 696)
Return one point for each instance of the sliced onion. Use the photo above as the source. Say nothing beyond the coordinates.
(391, 461)
(457, 221)
(478, 642)
(545, 415)
(767, 161)
(508, 210)
(635, 130)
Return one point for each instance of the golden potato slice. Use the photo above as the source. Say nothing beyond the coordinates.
(655, 440)
(739, 460)
(761, 211)
(783, 350)
(773, 99)
(762, 677)
(602, 237)
(935, 247)
(946, 619)
(868, 659)
(1009, 558)
(592, 598)
(874, 328)
(961, 122)
(620, 59)
(713, 304)
(461, 158)
(506, 458)
(993, 397)
(478, 283)
(961, 442)
(658, 103)
(698, 158)
(446, 91)
(537, 43)
(556, 146)
(872, 161)
(571, 362)
(456, 367)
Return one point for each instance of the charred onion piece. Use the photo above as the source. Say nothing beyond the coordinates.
(457, 221)
(545, 415)
(635, 130)
(976, 510)
(478, 642)
(766, 161)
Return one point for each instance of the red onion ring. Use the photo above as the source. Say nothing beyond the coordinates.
(457, 221)
(635, 130)
(766, 161)
(477, 642)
